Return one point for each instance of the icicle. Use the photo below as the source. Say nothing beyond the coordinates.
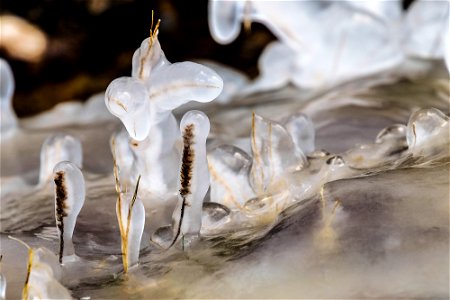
(2, 287)
(57, 148)
(43, 273)
(194, 176)
(69, 199)
(7, 115)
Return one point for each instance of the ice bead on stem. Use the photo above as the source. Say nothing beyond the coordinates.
(193, 180)
(229, 169)
(69, 199)
(131, 216)
(274, 154)
(8, 117)
(43, 273)
(427, 132)
(57, 148)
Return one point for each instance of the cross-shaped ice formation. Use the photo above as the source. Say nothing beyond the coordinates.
(144, 103)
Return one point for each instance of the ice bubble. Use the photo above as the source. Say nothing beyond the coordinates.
(428, 132)
(69, 199)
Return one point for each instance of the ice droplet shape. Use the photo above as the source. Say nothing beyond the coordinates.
(127, 98)
(69, 199)
(194, 178)
(428, 132)
(225, 20)
(7, 115)
(57, 148)
(229, 169)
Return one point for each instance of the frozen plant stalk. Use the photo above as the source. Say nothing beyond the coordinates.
(144, 103)
(193, 180)
(69, 199)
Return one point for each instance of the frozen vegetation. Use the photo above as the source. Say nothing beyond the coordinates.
(327, 176)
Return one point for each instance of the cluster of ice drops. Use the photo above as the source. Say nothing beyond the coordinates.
(167, 163)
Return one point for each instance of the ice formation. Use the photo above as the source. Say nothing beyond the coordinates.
(375, 199)
(8, 117)
(323, 44)
(193, 181)
(144, 103)
(69, 199)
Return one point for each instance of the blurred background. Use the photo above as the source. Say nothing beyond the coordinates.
(68, 50)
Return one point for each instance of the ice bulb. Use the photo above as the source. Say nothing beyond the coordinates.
(8, 117)
(69, 199)
(193, 180)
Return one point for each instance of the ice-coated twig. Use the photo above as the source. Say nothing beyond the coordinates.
(193, 180)
(144, 104)
(8, 117)
(69, 199)
(43, 273)
(131, 217)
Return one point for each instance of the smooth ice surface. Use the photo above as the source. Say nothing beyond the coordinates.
(193, 181)
(425, 22)
(131, 216)
(70, 192)
(58, 148)
(8, 117)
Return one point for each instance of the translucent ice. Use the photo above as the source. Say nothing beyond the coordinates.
(69, 199)
(43, 273)
(301, 129)
(229, 169)
(193, 180)
(225, 19)
(144, 104)
(131, 216)
(428, 133)
(8, 117)
(2, 287)
(425, 23)
(57, 148)
(274, 154)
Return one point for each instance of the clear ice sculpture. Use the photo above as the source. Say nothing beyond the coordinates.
(131, 217)
(8, 117)
(345, 39)
(326, 54)
(69, 199)
(43, 275)
(193, 181)
(144, 103)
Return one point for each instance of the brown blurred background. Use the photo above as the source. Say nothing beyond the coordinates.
(87, 43)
